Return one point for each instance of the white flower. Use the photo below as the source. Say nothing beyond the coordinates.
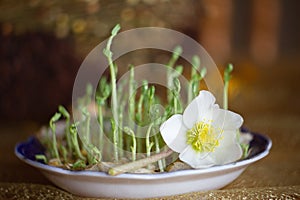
(204, 135)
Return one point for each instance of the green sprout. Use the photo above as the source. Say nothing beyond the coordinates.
(227, 78)
(174, 90)
(120, 127)
(87, 122)
(161, 162)
(89, 91)
(132, 87)
(176, 53)
(108, 53)
(193, 88)
(79, 165)
(113, 73)
(65, 113)
(75, 144)
(100, 103)
(52, 125)
(203, 73)
(139, 115)
(245, 148)
(87, 98)
(148, 144)
(104, 92)
(93, 153)
(196, 65)
(41, 157)
(115, 139)
(176, 96)
(196, 81)
(64, 152)
(133, 147)
(140, 108)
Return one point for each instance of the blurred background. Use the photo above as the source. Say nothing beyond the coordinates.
(43, 42)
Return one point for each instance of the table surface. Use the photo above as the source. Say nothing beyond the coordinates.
(268, 98)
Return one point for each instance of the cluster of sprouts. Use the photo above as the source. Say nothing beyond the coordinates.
(115, 145)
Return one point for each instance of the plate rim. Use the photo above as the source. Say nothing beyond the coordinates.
(156, 176)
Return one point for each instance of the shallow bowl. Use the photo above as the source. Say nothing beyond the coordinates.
(100, 184)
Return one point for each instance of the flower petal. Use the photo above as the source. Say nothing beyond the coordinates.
(198, 108)
(229, 149)
(228, 138)
(226, 119)
(195, 159)
(173, 132)
(227, 154)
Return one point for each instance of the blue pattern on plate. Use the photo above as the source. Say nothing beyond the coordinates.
(30, 148)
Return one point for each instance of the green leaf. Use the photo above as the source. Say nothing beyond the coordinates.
(227, 72)
(196, 62)
(177, 51)
(41, 157)
(203, 72)
(55, 118)
(63, 111)
(115, 30)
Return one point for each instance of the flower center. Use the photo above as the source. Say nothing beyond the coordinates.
(203, 137)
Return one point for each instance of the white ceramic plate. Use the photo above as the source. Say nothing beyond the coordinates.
(99, 184)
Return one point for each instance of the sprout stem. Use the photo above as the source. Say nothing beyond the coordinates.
(157, 150)
(176, 53)
(87, 124)
(64, 153)
(133, 147)
(65, 113)
(227, 78)
(52, 125)
(93, 154)
(108, 53)
(196, 82)
(148, 144)
(74, 132)
(115, 139)
(104, 92)
(100, 121)
(194, 75)
(176, 91)
(195, 65)
(120, 128)
(141, 101)
(131, 94)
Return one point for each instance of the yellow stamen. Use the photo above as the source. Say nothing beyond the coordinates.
(203, 137)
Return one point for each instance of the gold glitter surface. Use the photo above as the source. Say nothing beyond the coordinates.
(35, 191)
